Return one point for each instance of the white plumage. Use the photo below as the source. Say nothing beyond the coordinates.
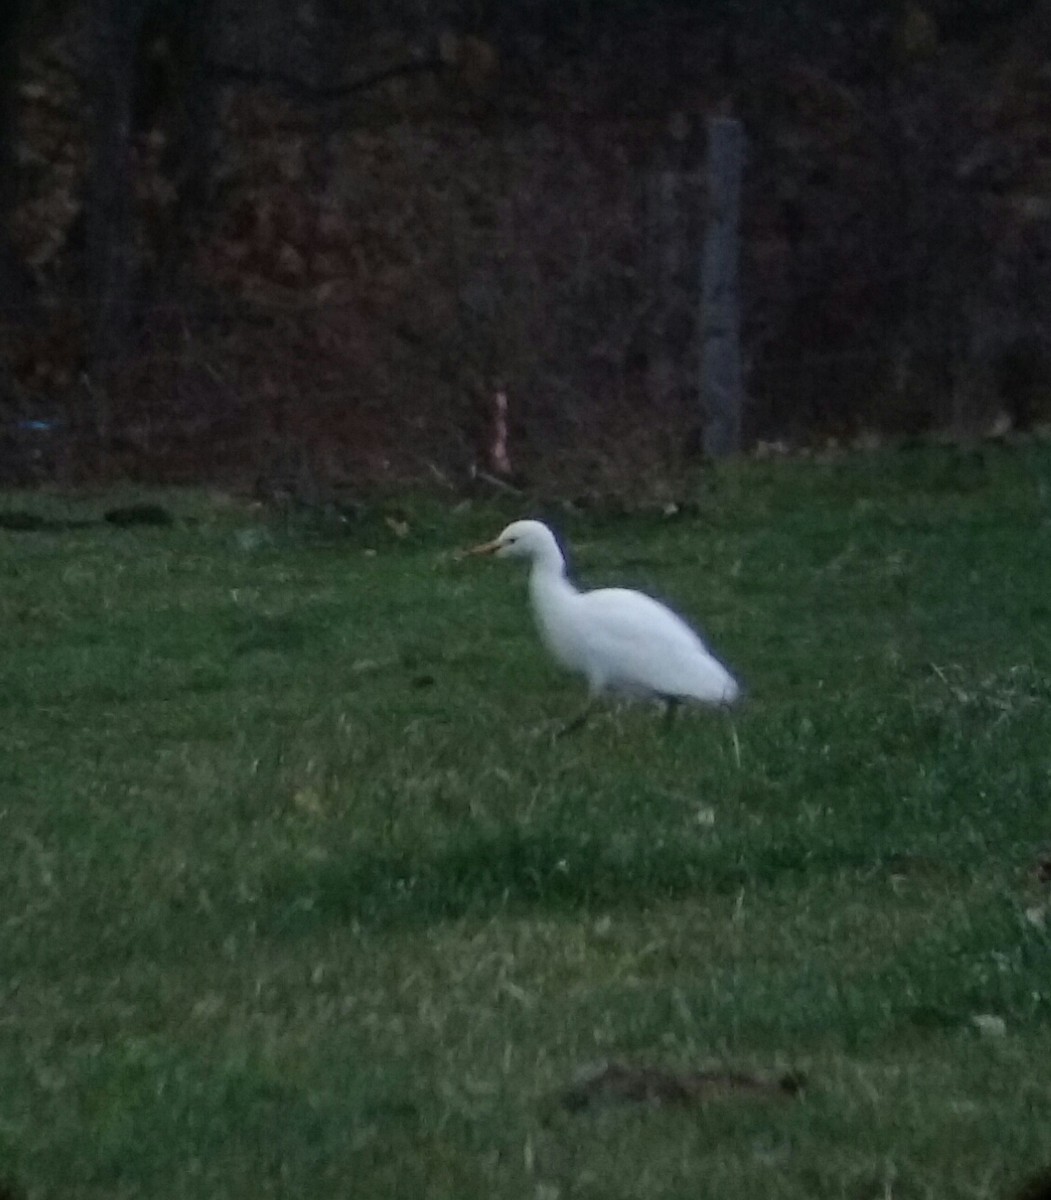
(621, 641)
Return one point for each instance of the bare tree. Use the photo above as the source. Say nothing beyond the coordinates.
(14, 279)
(116, 26)
(182, 99)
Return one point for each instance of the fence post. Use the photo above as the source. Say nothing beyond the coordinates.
(722, 382)
(665, 236)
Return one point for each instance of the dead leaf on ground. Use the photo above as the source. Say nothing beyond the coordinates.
(1037, 1188)
(922, 865)
(616, 1083)
(989, 1024)
(1036, 915)
(307, 800)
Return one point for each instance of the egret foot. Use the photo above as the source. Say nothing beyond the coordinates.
(578, 722)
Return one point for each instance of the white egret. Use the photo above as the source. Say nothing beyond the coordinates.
(622, 642)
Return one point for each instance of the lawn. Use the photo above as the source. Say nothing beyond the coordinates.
(302, 898)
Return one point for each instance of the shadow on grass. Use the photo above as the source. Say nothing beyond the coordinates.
(519, 870)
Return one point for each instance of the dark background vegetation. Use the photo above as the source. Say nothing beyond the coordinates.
(302, 244)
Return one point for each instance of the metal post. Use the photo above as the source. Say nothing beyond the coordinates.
(722, 382)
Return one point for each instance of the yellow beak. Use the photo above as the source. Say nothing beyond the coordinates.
(484, 548)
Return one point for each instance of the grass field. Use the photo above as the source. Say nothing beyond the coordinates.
(301, 898)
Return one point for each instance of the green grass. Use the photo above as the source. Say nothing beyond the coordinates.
(301, 898)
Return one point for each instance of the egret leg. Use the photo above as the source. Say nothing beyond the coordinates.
(672, 706)
(734, 741)
(578, 722)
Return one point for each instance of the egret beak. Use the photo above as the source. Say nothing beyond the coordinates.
(485, 548)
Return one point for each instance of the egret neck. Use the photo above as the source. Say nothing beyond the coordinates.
(553, 595)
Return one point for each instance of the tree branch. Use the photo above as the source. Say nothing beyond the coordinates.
(300, 89)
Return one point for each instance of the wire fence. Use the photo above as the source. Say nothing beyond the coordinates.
(356, 322)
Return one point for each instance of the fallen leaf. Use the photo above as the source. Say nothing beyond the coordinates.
(1037, 1188)
(989, 1025)
(307, 800)
(1037, 915)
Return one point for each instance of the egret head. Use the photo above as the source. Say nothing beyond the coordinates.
(523, 539)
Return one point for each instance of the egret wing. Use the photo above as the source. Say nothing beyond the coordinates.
(635, 643)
